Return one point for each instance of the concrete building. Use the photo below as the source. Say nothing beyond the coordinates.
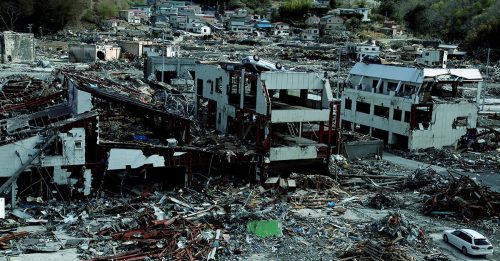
(433, 58)
(16, 47)
(310, 34)
(281, 28)
(409, 107)
(359, 51)
(282, 109)
(136, 48)
(87, 53)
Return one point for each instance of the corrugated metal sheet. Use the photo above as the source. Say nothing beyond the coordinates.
(409, 74)
(468, 74)
(292, 81)
(397, 73)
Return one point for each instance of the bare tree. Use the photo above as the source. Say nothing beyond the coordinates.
(9, 14)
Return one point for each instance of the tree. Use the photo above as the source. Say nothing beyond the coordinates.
(9, 14)
(333, 4)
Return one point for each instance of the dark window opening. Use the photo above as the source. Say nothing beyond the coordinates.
(407, 116)
(397, 115)
(199, 87)
(218, 85)
(392, 86)
(348, 104)
(381, 111)
(101, 56)
(363, 107)
(460, 122)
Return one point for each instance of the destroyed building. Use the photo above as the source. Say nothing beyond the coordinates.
(411, 107)
(17, 47)
(289, 116)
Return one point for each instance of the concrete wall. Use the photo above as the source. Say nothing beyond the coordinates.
(17, 47)
(293, 153)
(362, 149)
(13, 155)
(73, 152)
(82, 53)
(209, 75)
(441, 132)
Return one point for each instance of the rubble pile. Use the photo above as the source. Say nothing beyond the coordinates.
(463, 197)
(381, 201)
(424, 178)
(461, 161)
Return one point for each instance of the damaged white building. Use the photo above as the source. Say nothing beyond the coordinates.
(288, 115)
(409, 107)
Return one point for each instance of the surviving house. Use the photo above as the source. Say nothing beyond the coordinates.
(310, 34)
(281, 28)
(433, 58)
(289, 116)
(409, 107)
(129, 16)
(331, 23)
(360, 50)
(16, 47)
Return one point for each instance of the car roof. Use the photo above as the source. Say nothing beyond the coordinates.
(472, 233)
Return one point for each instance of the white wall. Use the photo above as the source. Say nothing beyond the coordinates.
(9, 161)
(441, 133)
(73, 150)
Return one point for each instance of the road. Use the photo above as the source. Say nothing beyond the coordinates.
(491, 180)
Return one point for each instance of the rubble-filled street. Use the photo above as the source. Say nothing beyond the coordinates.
(243, 130)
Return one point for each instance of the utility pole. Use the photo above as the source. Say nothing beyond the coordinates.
(30, 27)
(487, 76)
(163, 56)
(338, 74)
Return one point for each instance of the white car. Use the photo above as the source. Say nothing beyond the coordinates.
(469, 241)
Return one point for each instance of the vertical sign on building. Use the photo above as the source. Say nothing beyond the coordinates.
(2, 207)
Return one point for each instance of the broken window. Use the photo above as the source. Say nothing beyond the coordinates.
(407, 116)
(392, 86)
(363, 107)
(381, 111)
(78, 144)
(460, 122)
(211, 84)
(348, 104)
(397, 115)
(218, 85)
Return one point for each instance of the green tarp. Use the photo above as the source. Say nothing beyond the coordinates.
(264, 228)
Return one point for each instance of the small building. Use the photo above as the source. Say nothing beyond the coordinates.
(452, 50)
(241, 27)
(146, 9)
(312, 21)
(17, 47)
(136, 48)
(331, 23)
(359, 51)
(88, 53)
(127, 15)
(199, 28)
(263, 25)
(364, 12)
(110, 23)
(433, 58)
(411, 108)
(392, 28)
(281, 28)
(310, 34)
